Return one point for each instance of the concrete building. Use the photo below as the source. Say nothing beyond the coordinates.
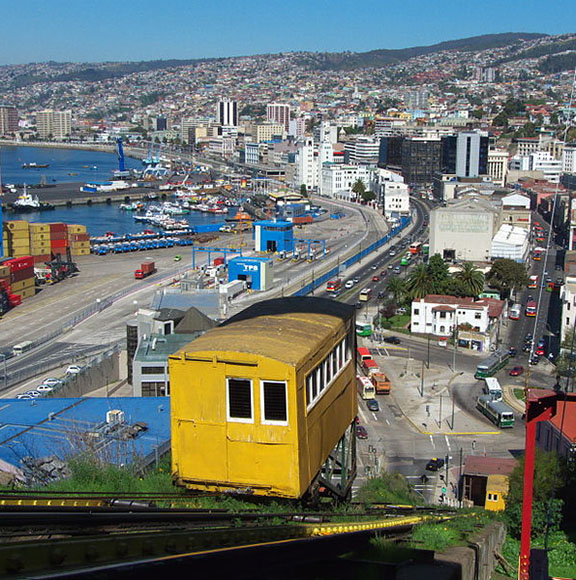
(227, 113)
(476, 322)
(527, 145)
(465, 154)
(498, 166)
(559, 433)
(511, 242)
(539, 161)
(297, 127)
(362, 150)
(568, 294)
(337, 179)
(569, 158)
(306, 165)
(54, 124)
(417, 158)
(392, 193)
(8, 119)
(279, 113)
(269, 132)
(464, 230)
(516, 211)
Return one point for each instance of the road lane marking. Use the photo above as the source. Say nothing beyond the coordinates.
(432, 441)
(447, 443)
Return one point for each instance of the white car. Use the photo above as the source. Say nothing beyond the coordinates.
(73, 370)
(24, 396)
(33, 393)
(52, 382)
(349, 284)
(44, 388)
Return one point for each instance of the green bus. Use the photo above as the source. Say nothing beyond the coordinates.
(491, 365)
(425, 249)
(499, 413)
(363, 329)
(405, 259)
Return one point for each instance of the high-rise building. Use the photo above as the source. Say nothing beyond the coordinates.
(8, 119)
(161, 123)
(465, 154)
(498, 166)
(227, 113)
(416, 100)
(306, 168)
(362, 150)
(54, 124)
(279, 113)
(569, 158)
(416, 158)
(269, 131)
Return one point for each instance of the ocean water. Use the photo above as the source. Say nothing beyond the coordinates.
(88, 165)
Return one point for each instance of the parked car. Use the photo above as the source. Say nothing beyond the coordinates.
(535, 359)
(435, 464)
(43, 388)
(397, 269)
(372, 405)
(391, 339)
(541, 351)
(512, 352)
(73, 370)
(516, 371)
(24, 396)
(33, 393)
(361, 432)
(52, 382)
(358, 305)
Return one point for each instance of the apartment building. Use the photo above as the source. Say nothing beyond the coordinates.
(54, 124)
(8, 119)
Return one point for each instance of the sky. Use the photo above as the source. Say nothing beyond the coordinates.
(134, 30)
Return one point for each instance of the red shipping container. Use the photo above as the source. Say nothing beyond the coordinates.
(22, 275)
(218, 261)
(41, 258)
(79, 237)
(20, 263)
(58, 227)
(5, 284)
(58, 244)
(58, 235)
(15, 299)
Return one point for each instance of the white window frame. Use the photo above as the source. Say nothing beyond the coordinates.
(238, 419)
(265, 421)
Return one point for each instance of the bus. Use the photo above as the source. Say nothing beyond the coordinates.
(366, 388)
(425, 249)
(531, 308)
(491, 365)
(405, 259)
(363, 329)
(415, 248)
(365, 295)
(334, 285)
(533, 282)
(492, 388)
(362, 354)
(22, 347)
(515, 312)
(499, 413)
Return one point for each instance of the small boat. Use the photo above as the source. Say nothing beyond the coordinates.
(72, 173)
(35, 165)
(27, 203)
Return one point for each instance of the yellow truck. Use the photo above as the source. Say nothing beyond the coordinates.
(381, 383)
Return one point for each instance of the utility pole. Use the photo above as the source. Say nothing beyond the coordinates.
(422, 381)
(452, 412)
(428, 359)
(440, 411)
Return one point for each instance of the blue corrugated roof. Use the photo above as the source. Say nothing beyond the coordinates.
(44, 427)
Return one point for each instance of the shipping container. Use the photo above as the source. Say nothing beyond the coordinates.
(76, 229)
(36, 228)
(146, 269)
(28, 292)
(41, 258)
(17, 225)
(218, 261)
(58, 235)
(59, 243)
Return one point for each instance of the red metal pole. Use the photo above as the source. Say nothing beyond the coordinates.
(530, 453)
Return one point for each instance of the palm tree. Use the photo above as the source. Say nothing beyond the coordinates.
(396, 287)
(419, 283)
(471, 279)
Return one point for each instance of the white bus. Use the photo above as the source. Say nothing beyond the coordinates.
(515, 312)
(22, 347)
(366, 388)
(365, 295)
(492, 388)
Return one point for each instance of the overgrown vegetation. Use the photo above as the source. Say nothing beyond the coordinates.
(389, 488)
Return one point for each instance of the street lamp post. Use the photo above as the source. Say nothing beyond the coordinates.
(5, 370)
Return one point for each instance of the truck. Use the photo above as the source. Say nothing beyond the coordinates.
(146, 269)
(370, 367)
(381, 383)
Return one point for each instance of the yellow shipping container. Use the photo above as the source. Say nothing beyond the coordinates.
(27, 292)
(4, 271)
(80, 245)
(80, 251)
(39, 237)
(76, 229)
(23, 285)
(16, 225)
(37, 228)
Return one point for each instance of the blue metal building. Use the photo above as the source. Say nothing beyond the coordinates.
(257, 272)
(273, 236)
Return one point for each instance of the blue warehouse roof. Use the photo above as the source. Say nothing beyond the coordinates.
(273, 223)
(67, 427)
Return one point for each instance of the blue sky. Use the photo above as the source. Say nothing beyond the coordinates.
(112, 30)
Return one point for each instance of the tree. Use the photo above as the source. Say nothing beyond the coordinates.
(546, 509)
(359, 188)
(419, 284)
(388, 310)
(507, 275)
(396, 287)
(368, 196)
(303, 190)
(500, 120)
(471, 278)
(438, 272)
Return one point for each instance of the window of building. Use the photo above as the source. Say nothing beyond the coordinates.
(416, 311)
(477, 316)
(239, 401)
(489, 497)
(155, 389)
(274, 402)
(152, 370)
(494, 497)
(442, 314)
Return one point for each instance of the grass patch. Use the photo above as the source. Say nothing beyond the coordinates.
(389, 488)
(520, 394)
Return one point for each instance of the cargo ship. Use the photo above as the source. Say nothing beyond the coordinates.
(35, 165)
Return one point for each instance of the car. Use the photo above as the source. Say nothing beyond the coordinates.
(541, 351)
(177, 258)
(373, 267)
(401, 310)
(52, 382)
(381, 295)
(528, 337)
(527, 347)
(391, 339)
(375, 278)
(516, 371)
(396, 269)
(73, 370)
(435, 464)
(33, 393)
(361, 432)
(43, 388)
(349, 284)
(333, 294)
(559, 282)
(372, 405)
(558, 267)
(358, 305)
(541, 343)
(355, 280)
(390, 267)
(383, 273)
(512, 352)
(392, 253)
(534, 360)
(6, 354)
(24, 396)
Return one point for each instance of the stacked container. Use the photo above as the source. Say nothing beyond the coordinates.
(17, 239)
(4, 289)
(58, 238)
(22, 279)
(79, 240)
(40, 242)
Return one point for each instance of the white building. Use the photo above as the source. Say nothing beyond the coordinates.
(498, 166)
(337, 179)
(391, 192)
(227, 113)
(306, 165)
(297, 127)
(477, 323)
(362, 150)
(55, 124)
(569, 158)
(542, 161)
(511, 242)
(464, 230)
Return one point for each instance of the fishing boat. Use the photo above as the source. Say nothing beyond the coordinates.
(35, 165)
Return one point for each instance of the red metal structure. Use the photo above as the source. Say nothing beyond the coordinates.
(540, 406)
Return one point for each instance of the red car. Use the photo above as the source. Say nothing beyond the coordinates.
(541, 351)
(375, 278)
(361, 432)
(516, 371)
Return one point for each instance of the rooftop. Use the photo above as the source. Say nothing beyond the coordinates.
(480, 465)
